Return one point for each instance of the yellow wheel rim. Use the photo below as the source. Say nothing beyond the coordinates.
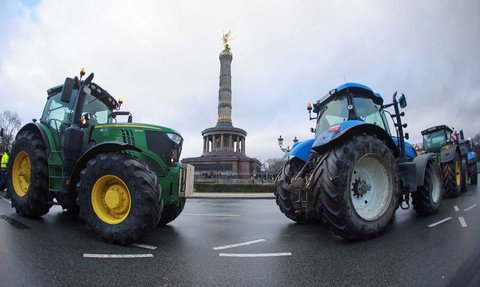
(21, 174)
(111, 200)
(458, 172)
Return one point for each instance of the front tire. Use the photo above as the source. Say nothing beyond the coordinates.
(27, 169)
(172, 211)
(359, 188)
(119, 198)
(284, 196)
(428, 197)
(473, 174)
(452, 177)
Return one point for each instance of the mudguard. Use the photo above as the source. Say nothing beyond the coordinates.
(302, 150)
(447, 153)
(103, 147)
(420, 165)
(346, 130)
(472, 157)
(38, 127)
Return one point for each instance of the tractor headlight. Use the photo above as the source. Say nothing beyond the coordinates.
(175, 138)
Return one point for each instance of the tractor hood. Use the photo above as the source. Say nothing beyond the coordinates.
(164, 142)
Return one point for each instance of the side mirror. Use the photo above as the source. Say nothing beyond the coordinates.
(403, 101)
(407, 136)
(1, 132)
(461, 135)
(67, 90)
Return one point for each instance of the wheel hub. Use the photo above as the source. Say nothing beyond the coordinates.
(360, 187)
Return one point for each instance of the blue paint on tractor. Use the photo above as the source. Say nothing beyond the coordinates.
(335, 131)
(409, 150)
(302, 149)
(472, 155)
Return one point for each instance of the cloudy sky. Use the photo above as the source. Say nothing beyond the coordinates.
(162, 58)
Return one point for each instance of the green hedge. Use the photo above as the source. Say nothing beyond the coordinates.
(234, 188)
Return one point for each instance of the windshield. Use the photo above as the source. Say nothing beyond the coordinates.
(434, 140)
(334, 112)
(367, 111)
(97, 109)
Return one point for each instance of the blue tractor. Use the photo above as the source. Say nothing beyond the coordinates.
(354, 174)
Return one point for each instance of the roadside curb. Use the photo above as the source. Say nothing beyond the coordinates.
(205, 195)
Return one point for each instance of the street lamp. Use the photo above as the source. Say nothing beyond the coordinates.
(280, 144)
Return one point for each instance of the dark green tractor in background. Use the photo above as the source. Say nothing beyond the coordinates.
(123, 178)
(454, 153)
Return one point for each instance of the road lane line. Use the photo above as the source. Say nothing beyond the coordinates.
(144, 246)
(115, 256)
(468, 208)
(250, 255)
(456, 208)
(7, 200)
(211, 214)
(440, 222)
(238, 244)
(462, 221)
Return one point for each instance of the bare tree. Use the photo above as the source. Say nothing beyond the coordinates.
(273, 165)
(10, 122)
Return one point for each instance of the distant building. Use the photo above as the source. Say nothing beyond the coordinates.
(224, 145)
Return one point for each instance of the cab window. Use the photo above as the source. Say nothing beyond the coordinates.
(369, 112)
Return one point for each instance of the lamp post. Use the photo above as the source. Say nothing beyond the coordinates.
(287, 149)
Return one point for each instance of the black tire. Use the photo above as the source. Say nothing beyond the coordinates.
(464, 186)
(137, 184)
(27, 170)
(341, 195)
(473, 174)
(284, 197)
(428, 197)
(452, 186)
(171, 211)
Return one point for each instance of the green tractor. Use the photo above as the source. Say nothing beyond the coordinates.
(123, 178)
(454, 153)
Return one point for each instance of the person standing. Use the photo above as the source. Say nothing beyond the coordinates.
(4, 170)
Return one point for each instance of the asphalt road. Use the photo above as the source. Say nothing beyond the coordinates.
(195, 249)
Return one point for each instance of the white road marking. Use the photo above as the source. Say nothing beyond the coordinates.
(440, 222)
(211, 214)
(255, 254)
(456, 208)
(144, 246)
(89, 255)
(7, 200)
(468, 208)
(238, 244)
(462, 221)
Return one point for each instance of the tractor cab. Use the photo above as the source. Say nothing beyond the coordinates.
(435, 138)
(346, 103)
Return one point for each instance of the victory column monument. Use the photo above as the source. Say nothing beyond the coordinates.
(224, 145)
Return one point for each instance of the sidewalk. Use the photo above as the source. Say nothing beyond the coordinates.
(233, 195)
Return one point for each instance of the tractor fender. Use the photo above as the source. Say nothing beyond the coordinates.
(104, 147)
(346, 130)
(472, 157)
(37, 128)
(421, 165)
(302, 150)
(447, 153)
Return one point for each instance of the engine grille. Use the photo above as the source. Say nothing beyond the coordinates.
(161, 145)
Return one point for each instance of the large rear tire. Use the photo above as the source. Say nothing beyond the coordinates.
(285, 198)
(172, 211)
(27, 170)
(452, 177)
(473, 174)
(428, 197)
(359, 188)
(119, 198)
